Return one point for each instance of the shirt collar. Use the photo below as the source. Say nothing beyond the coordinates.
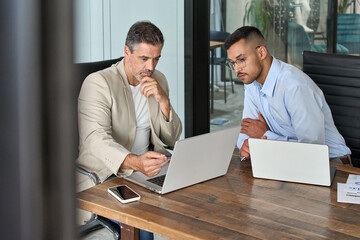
(270, 81)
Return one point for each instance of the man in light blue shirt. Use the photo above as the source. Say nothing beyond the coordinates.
(281, 102)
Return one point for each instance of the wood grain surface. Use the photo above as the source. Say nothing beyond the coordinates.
(235, 206)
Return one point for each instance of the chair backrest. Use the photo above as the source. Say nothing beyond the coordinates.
(338, 76)
(218, 36)
(84, 69)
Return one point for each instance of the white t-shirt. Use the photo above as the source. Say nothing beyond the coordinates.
(142, 137)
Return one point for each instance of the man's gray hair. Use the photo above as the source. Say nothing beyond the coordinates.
(143, 32)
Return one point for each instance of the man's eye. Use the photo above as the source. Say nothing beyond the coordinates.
(144, 59)
(157, 59)
(241, 60)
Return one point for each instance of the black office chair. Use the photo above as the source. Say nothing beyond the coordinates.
(338, 76)
(220, 61)
(95, 222)
(84, 69)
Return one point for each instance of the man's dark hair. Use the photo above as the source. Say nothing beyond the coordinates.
(247, 33)
(143, 32)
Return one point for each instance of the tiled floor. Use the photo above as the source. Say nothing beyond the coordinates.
(231, 111)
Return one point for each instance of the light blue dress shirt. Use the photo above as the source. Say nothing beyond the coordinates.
(294, 109)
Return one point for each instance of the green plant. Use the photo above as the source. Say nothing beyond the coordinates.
(343, 5)
(262, 13)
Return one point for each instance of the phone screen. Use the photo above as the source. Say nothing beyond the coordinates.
(126, 193)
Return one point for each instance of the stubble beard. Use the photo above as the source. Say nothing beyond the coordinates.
(138, 75)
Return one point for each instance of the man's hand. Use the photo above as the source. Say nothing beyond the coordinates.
(254, 128)
(149, 163)
(244, 150)
(149, 86)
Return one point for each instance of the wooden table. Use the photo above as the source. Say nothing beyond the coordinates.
(235, 206)
(213, 46)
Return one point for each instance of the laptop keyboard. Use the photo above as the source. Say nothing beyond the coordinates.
(158, 180)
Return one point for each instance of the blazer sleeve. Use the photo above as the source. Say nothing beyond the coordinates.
(170, 131)
(94, 115)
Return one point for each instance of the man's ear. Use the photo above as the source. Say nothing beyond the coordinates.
(263, 52)
(127, 51)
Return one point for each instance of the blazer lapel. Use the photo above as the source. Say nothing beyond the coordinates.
(129, 101)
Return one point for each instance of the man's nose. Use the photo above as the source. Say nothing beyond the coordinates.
(150, 64)
(237, 68)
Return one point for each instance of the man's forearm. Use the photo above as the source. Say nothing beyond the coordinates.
(130, 162)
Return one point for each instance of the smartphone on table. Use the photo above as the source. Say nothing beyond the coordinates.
(123, 193)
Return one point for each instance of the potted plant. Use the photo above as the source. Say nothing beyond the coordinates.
(262, 12)
(343, 5)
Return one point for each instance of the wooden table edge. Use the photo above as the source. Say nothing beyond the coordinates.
(348, 169)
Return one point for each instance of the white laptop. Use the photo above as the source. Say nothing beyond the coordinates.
(291, 161)
(195, 159)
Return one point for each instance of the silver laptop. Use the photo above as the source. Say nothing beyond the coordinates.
(291, 161)
(195, 159)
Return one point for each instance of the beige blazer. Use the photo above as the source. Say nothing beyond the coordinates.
(107, 122)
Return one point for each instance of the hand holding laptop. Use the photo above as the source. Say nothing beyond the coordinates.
(209, 156)
(149, 163)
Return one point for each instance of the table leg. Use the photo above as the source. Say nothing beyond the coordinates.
(129, 232)
(212, 81)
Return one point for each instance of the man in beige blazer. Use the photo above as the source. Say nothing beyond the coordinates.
(127, 106)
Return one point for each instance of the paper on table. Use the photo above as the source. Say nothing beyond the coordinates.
(353, 179)
(348, 193)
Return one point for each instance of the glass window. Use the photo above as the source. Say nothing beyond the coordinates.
(348, 25)
(290, 27)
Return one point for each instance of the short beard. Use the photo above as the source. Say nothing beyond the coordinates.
(138, 76)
